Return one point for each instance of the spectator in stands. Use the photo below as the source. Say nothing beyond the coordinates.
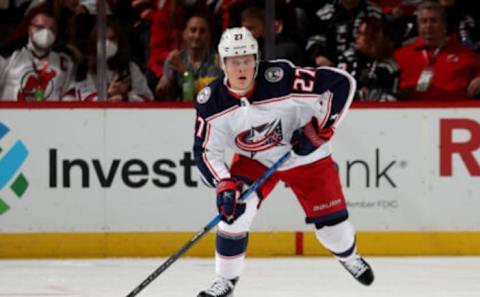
(371, 62)
(286, 47)
(125, 81)
(335, 26)
(196, 57)
(68, 14)
(401, 19)
(36, 72)
(11, 14)
(461, 24)
(219, 12)
(159, 27)
(436, 67)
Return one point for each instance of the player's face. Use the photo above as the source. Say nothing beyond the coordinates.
(240, 71)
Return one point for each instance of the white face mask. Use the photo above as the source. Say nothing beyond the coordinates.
(43, 38)
(111, 48)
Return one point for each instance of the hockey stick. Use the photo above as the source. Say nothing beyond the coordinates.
(207, 228)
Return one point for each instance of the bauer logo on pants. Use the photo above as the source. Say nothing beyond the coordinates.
(11, 161)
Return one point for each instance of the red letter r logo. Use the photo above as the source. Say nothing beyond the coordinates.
(466, 149)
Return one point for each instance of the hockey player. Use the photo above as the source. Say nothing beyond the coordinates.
(261, 110)
(36, 72)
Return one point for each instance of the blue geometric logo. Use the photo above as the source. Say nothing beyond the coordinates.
(10, 163)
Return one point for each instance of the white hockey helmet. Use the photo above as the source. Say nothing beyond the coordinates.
(237, 42)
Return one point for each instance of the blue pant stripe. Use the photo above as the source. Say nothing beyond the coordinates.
(348, 252)
(229, 247)
(328, 220)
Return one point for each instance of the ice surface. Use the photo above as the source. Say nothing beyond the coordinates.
(263, 277)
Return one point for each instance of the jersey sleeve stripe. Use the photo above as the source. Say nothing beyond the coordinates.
(352, 84)
(210, 168)
(205, 159)
(328, 109)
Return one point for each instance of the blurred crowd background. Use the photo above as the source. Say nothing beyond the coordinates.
(165, 50)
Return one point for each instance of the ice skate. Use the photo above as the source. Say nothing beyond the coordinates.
(221, 287)
(359, 269)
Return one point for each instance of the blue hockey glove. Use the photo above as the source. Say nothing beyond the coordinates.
(228, 194)
(309, 137)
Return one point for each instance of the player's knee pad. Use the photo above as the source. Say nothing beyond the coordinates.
(338, 238)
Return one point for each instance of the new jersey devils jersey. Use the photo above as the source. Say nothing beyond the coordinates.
(261, 124)
(24, 77)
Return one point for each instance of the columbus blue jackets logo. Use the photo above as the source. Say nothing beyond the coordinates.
(260, 138)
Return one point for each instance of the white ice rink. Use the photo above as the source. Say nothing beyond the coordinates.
(272, 277)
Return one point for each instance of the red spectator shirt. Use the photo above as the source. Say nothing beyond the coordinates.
(165, 34)
(454, 67)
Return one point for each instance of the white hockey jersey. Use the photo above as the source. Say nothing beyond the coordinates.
(86, 90)
(261, 124)
(24, 77)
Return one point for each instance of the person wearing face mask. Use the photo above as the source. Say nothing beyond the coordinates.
(36, 72)
(125, 81)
